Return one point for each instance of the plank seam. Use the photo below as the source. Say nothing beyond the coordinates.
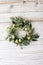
(19, 2)
(20, 12)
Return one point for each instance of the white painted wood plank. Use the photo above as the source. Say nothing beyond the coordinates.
(21, 0)
(3, 31)
(4, 8)
(10, 0)
(41, 1)
(31, 15)
(12, 55)
(27, 8)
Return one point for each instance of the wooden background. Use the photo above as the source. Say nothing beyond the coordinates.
(10, 54)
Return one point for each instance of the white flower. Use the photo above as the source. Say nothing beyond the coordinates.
(22, 34)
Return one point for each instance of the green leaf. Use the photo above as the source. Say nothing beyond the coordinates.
(25, 42)
(30, 26)
(26, 22)
(35, 36)
(12, 18)
(33, 39)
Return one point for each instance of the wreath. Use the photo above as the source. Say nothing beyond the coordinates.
(21, 31)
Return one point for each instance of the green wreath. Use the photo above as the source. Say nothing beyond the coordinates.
(21, 31)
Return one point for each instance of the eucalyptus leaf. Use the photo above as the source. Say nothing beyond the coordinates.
(35, 36)
(33, 39)
(26, 42)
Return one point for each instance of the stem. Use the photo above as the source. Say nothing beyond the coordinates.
(19, 24)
